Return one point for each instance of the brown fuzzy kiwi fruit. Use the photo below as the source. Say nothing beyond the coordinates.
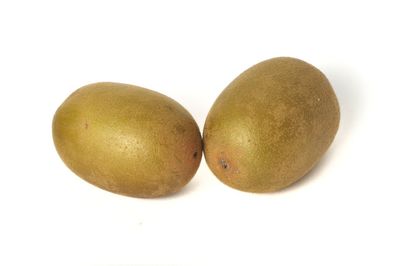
(127, 139)
(271, 125)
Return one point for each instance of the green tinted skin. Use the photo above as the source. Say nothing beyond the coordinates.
(271, 125)
(127, 140)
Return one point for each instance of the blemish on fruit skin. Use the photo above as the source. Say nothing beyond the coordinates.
(177, 159)
(86, 125)
(179, 128)
(224, 164)
(169, 107)
(195, 154)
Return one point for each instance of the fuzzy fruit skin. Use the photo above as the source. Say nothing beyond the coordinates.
(127, 139)
(271, 125)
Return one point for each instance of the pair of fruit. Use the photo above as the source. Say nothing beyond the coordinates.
(265, 131)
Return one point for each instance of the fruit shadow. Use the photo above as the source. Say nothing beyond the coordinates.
(350, 94)
(348, 89)
(183, 192)
(189, 188)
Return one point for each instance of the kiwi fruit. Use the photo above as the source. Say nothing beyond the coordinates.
(127, 139)
(271, 125)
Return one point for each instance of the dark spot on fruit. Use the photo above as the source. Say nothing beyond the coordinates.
(179, 128)
(195, 154)
(177, 159)
(86, 125)
(224, 164)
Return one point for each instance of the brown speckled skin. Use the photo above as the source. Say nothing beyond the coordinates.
(128, 140)
(271, 125)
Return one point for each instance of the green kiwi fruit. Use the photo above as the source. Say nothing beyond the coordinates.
(271, 125)
(127, 139)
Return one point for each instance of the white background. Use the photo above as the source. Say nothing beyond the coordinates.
(345, 212)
